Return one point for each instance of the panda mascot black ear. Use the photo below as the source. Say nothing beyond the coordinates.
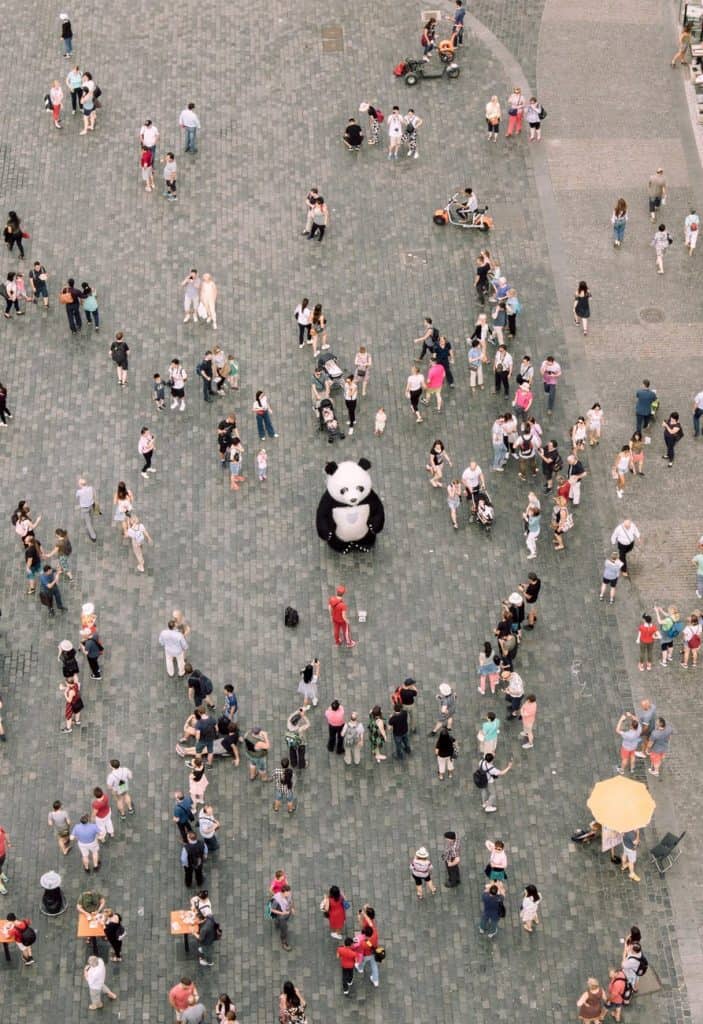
(331, 468)
(364, 463)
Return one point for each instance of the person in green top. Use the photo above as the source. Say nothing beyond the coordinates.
(376, 731)
(488, 733)
(90, 902)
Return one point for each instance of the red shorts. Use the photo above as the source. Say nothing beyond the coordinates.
(656, 760)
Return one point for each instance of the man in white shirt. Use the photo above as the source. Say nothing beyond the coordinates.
(190, 123)
(175, 645)
(149, 136)
(118, 783)
(625, 536)
(94, 974)
(85, 496)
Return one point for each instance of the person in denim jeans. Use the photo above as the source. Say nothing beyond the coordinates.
(262, 410)
(491, 905)
(551, 372)
(190, 123)
(367, 947)
(398, 722)
(500, 452)
(90, 305)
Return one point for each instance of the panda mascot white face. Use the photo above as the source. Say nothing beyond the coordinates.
(350, 513)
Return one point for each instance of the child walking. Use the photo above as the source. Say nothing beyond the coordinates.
(262, 461)
(379, 423)
(158, 392)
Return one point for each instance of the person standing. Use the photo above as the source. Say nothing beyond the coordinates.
(66, 35)
(488, 771)
(189, 122)
(657, 190)
(516, 109)
(436, 375)
(353, 739)
(492, 909)
(148, 137)
(395, 133)
(657, 745)
(630, 842)
(146, 166)
(493, 116)
(338, 609)
(673, 432)
(335, 717)
(74, 82)
(629, 729)
(535, 114)
(283, 783)
(351, 394)
(661, 242)
(4, 847)
(310, 203)
(49, 589)
(85, 496)
(90, 305)
(114, 933)
(119, 353)
(591, 1004)
(691, 227)
(256, 748)
(193, 858)
(191, 296)
(445, 752)
(411, 124)
(551, 372)
(582, 306)
(451, 858)
(611, 575)
(262, 410)
(179, 996)
(697, 413)
(22, 933)
(457, 36)
(182, 813)
(400, 727)
(502, 370)
(56, 99)
(88, 101)
(94, 974)
(208, 298)
(85, 832)
(146, 447)
(625, 535)
(175, 646)
(177, 377)
(320, 219)
(37, 279)
(282, 909)
(684, 43)
(118, 782)
(645, 397)
(102, 815)
(421, 870)
(528, 715)
(376, 731)
(618, 219)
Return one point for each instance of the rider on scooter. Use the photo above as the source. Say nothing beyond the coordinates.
(466, 209)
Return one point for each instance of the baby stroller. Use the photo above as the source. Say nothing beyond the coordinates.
(485, 513)
(328, 421)
(331, 369)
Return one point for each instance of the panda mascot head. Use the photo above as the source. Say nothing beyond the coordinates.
(350, 514)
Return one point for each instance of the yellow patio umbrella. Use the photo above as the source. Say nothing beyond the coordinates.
(621, 804)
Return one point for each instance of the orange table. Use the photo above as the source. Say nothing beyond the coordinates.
(185, 923)
(5, 929)
(91, 927)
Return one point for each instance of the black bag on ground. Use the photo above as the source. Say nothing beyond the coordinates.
(291, 617)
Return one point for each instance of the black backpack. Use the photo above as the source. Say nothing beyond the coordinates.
(480, 778)
(291, 617)
(643, 965)
(29, 936)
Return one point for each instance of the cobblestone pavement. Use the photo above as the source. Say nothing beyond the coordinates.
(273, 103)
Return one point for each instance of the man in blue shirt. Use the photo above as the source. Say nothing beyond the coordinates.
(183, 813)
(491, 902)
(458, 30)
(49, 589)
(85, 832)
(644, 397)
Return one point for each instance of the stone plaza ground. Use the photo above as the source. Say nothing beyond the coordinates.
(273, 101)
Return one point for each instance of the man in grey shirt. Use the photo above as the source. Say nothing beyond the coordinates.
(194, 1012)
(85, 496)
(175, 645)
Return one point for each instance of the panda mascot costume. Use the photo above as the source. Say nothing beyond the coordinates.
(350, 514)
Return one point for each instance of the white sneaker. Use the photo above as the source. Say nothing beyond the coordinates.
(151, 469)
(336, 935)
(527, 746)
(374, 983)
(174, 404)
(638, 753)
(183, 405)
(490, 810)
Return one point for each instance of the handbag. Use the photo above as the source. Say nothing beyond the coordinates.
(65, 298)
(202, 312)
(502, 911)
(542, 113)
(77, 705)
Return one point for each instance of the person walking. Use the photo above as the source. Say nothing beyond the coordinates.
(351, 393)
(102, 814)
(146, 167)
(445, 752)
(335, 718)
(282, 909)
(303, 315)
(177, 376)
(114, 933)
(208, 298)
(414, 387)
(630, 842)
(347, 958)
(333, 907)
(657, 191)
(582, 306)
(14, 234)
(488, 733)
(320, 219)
(85, 833)
(137, 533)
(529, 908)
(673, 432)
(492, 909)
(122, 500)
(85, 496)
(146, 448)
(291, 1005)
(170, 177)
(645, 400)
(618, 219)
(192, 859)
(118, 781)
(625, 535)
(661, 242)
(353, 739)
(49, 591)
(283, 782)
(90, 306)
(611, 574)
(691, 227)
(551, 372)
(60, 822)
(528, 715)
(175, 646)
(66, 35)
(119, 353)
(684, 43)
(189, 123)
(591, 1004)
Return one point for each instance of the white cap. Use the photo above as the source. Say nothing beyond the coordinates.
(422, 854)
(363, 107)
(66, 645)
(515, 598)
(63, 17)
(445, 689)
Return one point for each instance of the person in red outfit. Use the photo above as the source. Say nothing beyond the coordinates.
(4, 847)
(347, 957)
(17, 934)
(338, 614)
(333, 908)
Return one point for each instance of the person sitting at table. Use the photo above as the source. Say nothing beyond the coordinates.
(90, 902)
(353, 135)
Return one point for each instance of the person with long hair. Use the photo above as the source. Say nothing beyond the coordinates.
(619, 221)
(291, 1005)
(283, 786)
(303, 314)
(582, 306)
(122, 500)
(262, 411)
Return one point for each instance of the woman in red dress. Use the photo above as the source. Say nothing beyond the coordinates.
(333, 908)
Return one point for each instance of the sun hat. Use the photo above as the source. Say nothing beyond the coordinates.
(445, 689)
(422, 854)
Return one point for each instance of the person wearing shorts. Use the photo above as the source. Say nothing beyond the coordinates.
(629, 729)
(86, 835)
(256, 747)
(630, 842)
(611, 575)
(658, 745)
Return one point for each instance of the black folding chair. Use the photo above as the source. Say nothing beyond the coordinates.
(666, 852)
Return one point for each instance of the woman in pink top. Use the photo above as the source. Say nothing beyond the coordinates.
(528, 713)
(335, 723)
(435, 380)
